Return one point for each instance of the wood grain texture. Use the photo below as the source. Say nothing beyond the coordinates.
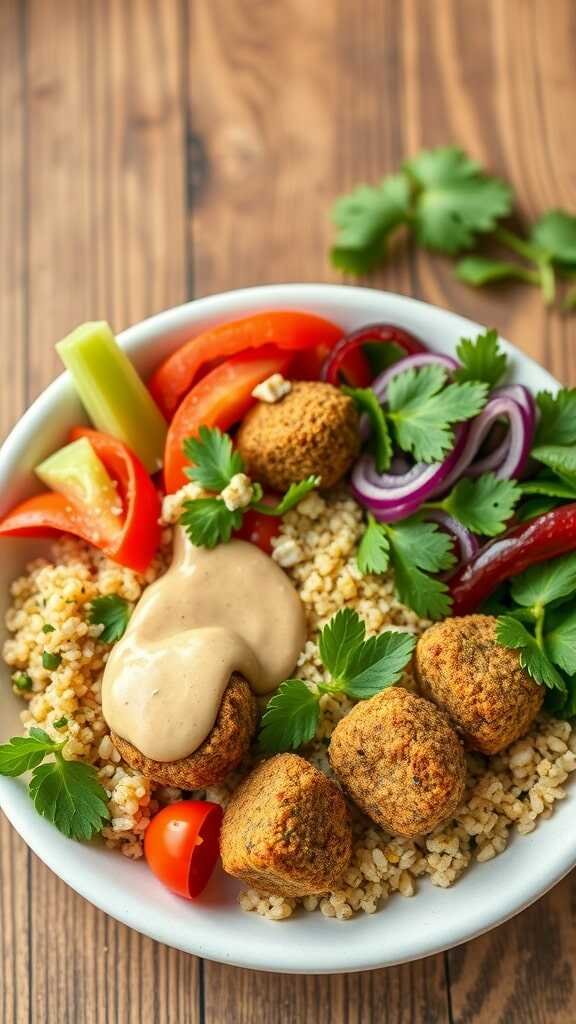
(155, 149)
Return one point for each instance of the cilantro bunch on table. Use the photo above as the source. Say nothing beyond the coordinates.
(539, 620)
(356, 666)
(66, 793)
(448, 203)
(215, 462)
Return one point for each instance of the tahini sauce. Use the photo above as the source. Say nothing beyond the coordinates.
(213, 613)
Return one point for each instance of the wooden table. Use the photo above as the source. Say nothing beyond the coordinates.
(156, 150)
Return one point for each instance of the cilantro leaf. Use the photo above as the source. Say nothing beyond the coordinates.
(208, 522)
(535, 507)
(545, 582)
(560, 459)
(511, 633)
(342, 635)
(378, 663)
(422, 410)
(113, 612)
(557, 423)
(479, 270)
(456, 199)
(374, 550)
(215, 460)
(365, 218)
(368, 403)
(427, 596)
(551, 487)
(481, 359)
(294, 495)
(483, 505)
(555, 233)
(69, 795)
(22, 753)
(560, 643)
(290, 719)
(417, 546)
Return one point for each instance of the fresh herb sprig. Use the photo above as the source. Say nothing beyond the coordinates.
(357, 667)
(66, 793)
(541, 625)
(208, 521)
(447, 203)
(113, 612)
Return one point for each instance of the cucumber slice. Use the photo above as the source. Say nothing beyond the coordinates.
(76, 472)
(114, 396)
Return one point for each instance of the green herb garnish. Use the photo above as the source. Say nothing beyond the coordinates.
(367, 402)
(47, 628)
(358, 667)
(51, 660)
(22, 681)
(483, 505)
(113, 612)
(208, 521)
(481, 359)
(66, 793)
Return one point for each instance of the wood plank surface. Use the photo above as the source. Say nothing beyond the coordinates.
(155, 149)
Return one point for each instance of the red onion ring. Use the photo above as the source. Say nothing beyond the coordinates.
(405, 340)
(380, 384)
(467, 543)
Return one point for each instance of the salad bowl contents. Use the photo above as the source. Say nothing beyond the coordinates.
(304, 604)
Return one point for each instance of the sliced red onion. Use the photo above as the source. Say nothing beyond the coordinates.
(518, 443)
(383, 333)
(521, 395)
(392, 496)
(380, 384)
(467, 543)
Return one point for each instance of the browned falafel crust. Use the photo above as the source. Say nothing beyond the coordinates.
(480, 684)
(222, 750)
(400, 760)
(313, 430)
(286, 830)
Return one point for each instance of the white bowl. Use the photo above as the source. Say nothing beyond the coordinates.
(214, 927)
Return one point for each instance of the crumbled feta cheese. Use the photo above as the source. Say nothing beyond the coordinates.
(238, 493)
(173, 504)
(272, 389)
(287, 552)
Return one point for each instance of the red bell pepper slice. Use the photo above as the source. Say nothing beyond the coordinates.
(350, 345)
(293, 331)
(133, 544)
(220, 399)
(534, 541)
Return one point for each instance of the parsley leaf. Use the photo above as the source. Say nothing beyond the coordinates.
(215, 460)
(365, 218)
(560, 642)
(374, 549)
(368, 403)
(378, 663)
(483, 505)
(294, 495)
(290, 718)
(559, 458)
(555, 233)
(479, 270)
(557, 423)
(481, 359)
(422, 410)
(343, 634)
(69, 795)
(456, 199)
(511, 633)
(22, 753)
(113, 612)
(208, 522)
(545, 582)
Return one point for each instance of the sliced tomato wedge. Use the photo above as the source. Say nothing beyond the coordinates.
(220, 399)
(259, 529)
(289, 330)
(133, 544)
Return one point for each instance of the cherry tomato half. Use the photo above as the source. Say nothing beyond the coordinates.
(181, 845)
(259, 529)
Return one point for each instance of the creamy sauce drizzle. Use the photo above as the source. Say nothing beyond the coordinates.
(213, 613)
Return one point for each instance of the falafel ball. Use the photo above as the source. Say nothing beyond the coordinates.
(313, 430)
(489, 697)
(286, 830)
(222, 750)
(400, 760)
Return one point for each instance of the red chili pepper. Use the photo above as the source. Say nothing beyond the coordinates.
(353, 342)
(133, 544)
(286, 330)
(535, 541)
(220, 399)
